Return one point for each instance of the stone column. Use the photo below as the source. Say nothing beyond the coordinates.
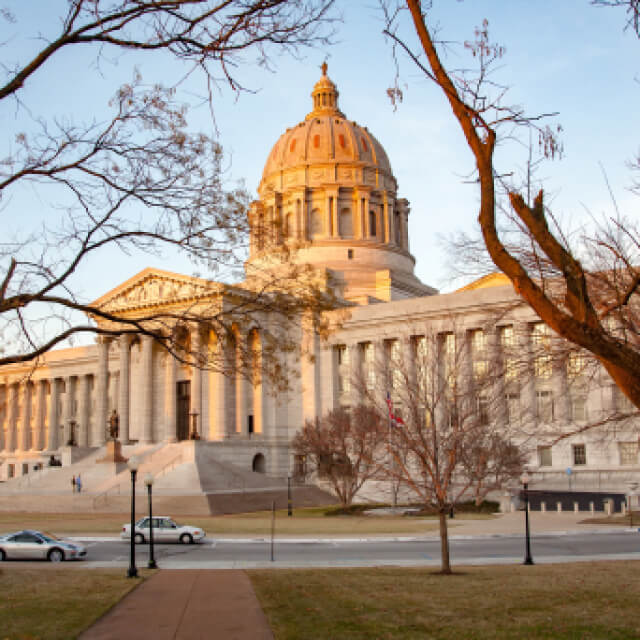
(241, 390)
(528, 404)
(4, 398)
(123, 396)
(385, 217)
(12, 417)
(102, 378)
(147, 390)
(170, 401)
(196, 377)
(560, 386)
(355, 373)
(25, 418)
(67, 410)
(309, 370)
(38, 435)
(82, 426)
(54, 397)
(498, 411)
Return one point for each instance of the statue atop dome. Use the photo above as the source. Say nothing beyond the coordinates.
(325, 96)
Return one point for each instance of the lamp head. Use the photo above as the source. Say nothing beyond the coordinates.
(524, 478)
(133, 464)
(148, 479)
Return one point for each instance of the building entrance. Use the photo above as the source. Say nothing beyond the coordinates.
(183, 394)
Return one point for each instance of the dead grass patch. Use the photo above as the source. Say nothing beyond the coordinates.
(581, 600)
(51, 603)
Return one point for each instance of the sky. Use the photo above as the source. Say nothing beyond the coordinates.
(567, 57)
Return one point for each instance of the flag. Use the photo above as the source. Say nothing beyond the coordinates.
(395, 420)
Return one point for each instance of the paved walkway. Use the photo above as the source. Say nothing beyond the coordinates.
(186, 605)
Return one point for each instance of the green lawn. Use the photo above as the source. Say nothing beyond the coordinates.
(554, 602)
(49, 603)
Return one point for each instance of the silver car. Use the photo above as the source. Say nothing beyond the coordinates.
(34, 545)
(164, 530)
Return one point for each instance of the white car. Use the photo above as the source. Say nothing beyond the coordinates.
(34, 545)
(164, 530)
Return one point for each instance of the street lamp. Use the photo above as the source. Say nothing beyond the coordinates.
(133, 467)
(525, 483)
(632, 487)
(289, 511)
(148, 480)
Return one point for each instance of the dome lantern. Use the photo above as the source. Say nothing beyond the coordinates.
(325, 96)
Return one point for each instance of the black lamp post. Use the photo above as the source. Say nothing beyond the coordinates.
(632, 487)
(289, 511)
(525, 483)
(133, 467)
(148, 480)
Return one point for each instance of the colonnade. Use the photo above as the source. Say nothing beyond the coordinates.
(40, 413)
(489, 351)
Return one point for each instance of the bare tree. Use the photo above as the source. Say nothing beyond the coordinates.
(139, 180)
(592, 302)
(447, 439)
(344, 447)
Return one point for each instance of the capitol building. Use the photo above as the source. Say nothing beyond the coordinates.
(329, 184)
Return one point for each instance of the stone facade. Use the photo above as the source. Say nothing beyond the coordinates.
(328, 188)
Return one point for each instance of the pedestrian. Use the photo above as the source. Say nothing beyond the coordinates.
(73, 484)
(78, 484)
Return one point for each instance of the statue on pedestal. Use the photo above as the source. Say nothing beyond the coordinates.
(114, 425)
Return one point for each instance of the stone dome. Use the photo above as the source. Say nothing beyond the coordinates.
(327, 143)
(328, 199)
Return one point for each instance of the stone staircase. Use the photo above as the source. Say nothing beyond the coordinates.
(190, 478)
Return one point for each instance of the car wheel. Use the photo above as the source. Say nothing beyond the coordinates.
(139, 538)
(186, 538)
(55, 555)
(3, 555)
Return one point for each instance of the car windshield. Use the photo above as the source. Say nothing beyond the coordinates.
(49, 537)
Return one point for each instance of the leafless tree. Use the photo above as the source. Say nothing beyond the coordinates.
(446, 439)
(346, 448)
(139, 179)
(588, 296)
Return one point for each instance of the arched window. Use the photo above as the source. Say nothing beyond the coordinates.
(317, 223)
(373, 230)
(259, 464)
(345, 223)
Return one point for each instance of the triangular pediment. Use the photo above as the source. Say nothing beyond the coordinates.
(154, 287)
(495, 279)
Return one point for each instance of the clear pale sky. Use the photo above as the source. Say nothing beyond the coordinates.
(564, 56)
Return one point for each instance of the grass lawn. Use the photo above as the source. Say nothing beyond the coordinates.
(305, 522)
(554, 602)
(51, 603)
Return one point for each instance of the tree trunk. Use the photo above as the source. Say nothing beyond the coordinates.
(445, 565)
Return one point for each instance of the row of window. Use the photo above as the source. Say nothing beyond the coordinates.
(627, 451)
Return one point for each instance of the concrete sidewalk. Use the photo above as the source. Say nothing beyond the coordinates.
(540, 523)
(186, 604)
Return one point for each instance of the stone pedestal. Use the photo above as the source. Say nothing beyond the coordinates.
(114, 453)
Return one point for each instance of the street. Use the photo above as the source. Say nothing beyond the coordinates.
(227, 553)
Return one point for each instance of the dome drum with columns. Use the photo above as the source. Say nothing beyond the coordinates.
(327, 188)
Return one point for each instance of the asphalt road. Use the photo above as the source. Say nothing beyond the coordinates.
(352, 553)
